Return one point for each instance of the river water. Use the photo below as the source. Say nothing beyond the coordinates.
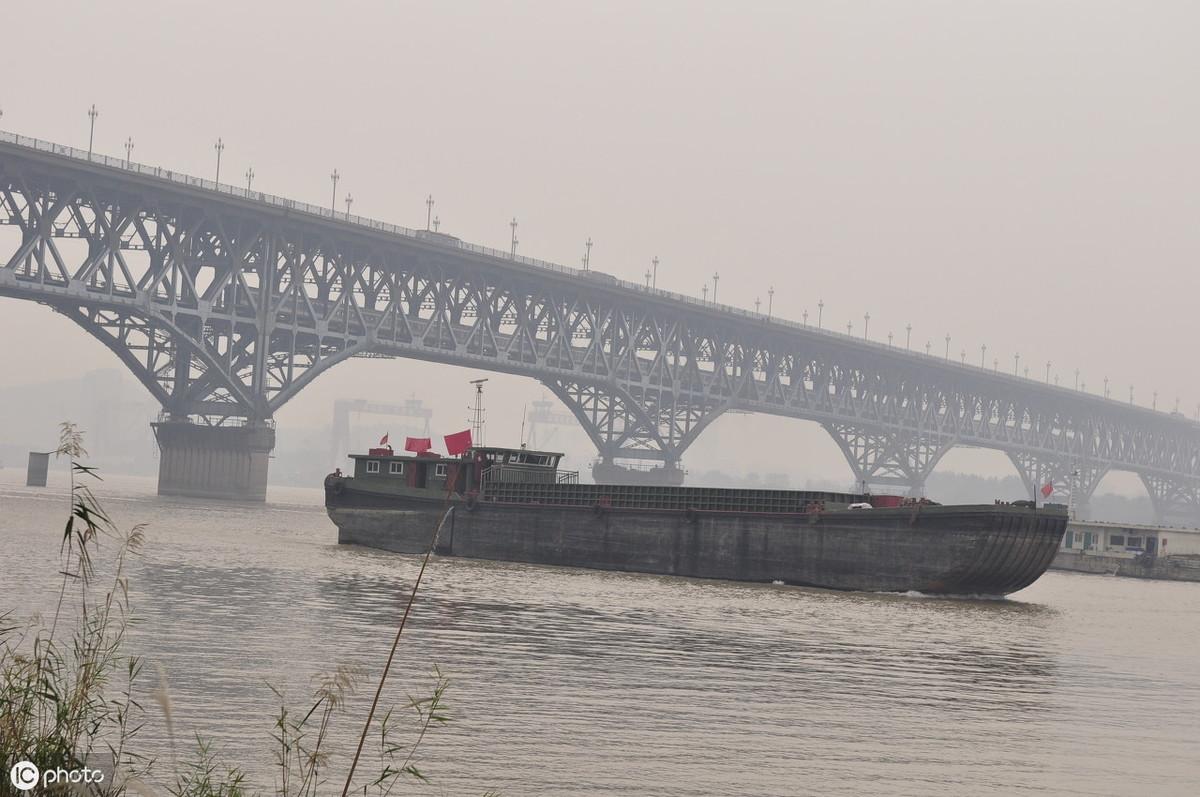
(568, 682)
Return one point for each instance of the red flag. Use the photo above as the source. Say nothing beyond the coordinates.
(383, 440)
(418, 445)
(458, 442)
(1047, 489)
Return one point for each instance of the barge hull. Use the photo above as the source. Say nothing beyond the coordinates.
(972, 550)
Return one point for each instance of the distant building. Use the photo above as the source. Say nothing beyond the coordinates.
(1130, 540)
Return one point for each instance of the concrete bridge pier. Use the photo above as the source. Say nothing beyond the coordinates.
(224, 462)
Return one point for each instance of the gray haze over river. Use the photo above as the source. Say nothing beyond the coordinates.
(577, 682)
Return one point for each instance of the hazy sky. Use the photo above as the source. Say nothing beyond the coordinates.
(1020, 174)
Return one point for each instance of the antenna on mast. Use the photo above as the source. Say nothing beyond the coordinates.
(477, 413)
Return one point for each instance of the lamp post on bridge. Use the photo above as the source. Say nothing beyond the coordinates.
(983, 356)
(1131, 394)
(437, 222)
(771, 302)
(947, 345)
(333, 199)
(654, 272)
(908, 337)
(704, 291)
(849, 327)
(249, 178)
(889, 340)
(1017, 364)
(1154, 401)
(219, 147)
(587, 253)
(128, 150)
(513, 224)
(428, 212)
(963, 356)
(1047, 372)
(716, 279)
(349, 202)
(866, 325)
(996, 365)
(757, 302)
(1076, 378)
(648, 275)
(1106, 387)
(820, 311)
(928, 347)
(92, 114)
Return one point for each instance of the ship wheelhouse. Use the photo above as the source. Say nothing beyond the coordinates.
(386, 469)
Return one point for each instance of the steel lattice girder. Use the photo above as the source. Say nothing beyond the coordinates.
(224, 306)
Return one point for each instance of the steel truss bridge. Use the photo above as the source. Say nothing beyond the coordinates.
(225, 303)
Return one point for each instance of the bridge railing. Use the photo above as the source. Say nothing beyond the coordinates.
(394, 229)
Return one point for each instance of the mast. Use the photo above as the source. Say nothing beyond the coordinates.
(477, 413)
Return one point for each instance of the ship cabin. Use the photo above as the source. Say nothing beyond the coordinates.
(384, 468)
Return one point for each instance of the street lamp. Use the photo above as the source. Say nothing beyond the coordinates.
(947, 345)
(928, 347)
(771, 303)
(866, 325)
(996, 365)
(587, 253)
(648, 275)
(513, 224)
(249, 178)
(849, 326)
(333, 200)
(705, 292)
(889, 340)
(1016, 364)
(757, 302)
(1154, 402)
(437, 222)
(908, 337)
(654, 272)
(1047, 372)
(1131, 394)
(92, 114)
(820, 311)
(349, 202)
(805, 317)
(963, 356)
(219, 147)
(1076, 378)
(1106, 387)
(983, 355)
(428, 212)
(716, 279)
(128, 150)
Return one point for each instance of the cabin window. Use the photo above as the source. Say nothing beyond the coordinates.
(1070, 538)
(372, 466)
(1133, 542)
(1117, 539)
(440, 470)
(396, 468)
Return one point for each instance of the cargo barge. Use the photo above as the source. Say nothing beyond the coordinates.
(516, 505)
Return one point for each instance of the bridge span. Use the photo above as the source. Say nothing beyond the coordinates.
(225, 303)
